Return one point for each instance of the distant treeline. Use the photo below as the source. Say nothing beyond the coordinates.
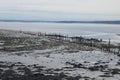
(95, 22)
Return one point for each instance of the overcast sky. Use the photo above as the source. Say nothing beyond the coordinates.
(60, 9)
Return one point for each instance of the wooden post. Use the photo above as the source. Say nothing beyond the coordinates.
(118, 49)
(109, 45)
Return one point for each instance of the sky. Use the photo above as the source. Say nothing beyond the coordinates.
(60, 9)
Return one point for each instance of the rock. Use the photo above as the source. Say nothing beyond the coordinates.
(9, 75)
(115, 71)
(97, 68)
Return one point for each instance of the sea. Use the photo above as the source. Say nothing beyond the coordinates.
(88, 30)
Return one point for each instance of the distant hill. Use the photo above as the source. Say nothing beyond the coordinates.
(95, 22)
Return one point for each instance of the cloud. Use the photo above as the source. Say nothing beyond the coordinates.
(60, 8)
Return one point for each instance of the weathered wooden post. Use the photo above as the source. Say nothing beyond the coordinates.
(118, 49)
(59, 36)
(67, 37)
(109, 45)
(45, 35)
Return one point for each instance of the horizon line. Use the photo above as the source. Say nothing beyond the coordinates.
(66, 21)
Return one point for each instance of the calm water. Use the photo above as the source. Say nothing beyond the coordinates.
(104, 31)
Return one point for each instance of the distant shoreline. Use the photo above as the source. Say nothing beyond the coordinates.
(93, 22)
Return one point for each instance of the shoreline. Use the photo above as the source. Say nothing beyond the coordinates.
(33, 56)
(14, 35)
